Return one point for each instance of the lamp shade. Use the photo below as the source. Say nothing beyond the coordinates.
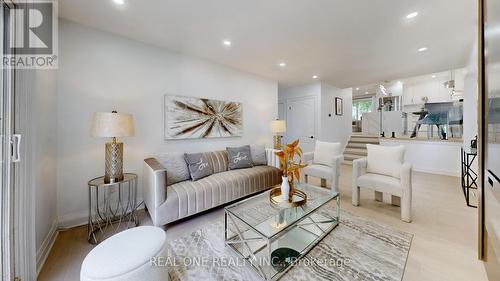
(112, 124)
(278, 126)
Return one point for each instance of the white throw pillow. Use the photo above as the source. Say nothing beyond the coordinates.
(385, 160)
(324, 152)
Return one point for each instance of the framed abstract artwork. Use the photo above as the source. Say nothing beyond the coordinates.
(339, 106)
(197, 118)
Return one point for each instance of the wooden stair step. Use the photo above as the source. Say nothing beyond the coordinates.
(351, 157)
(356, 151)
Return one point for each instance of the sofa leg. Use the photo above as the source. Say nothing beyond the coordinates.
(305, 178)
(323, 182)
(395, 200)
(379, 196)
(355, 195)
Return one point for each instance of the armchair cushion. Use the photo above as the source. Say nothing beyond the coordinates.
(324, 152)
(320, 171)
(380, 183)
(385, 160)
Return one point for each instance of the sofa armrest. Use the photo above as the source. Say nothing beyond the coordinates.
(154, 186)
(272, 159)
(358, 169)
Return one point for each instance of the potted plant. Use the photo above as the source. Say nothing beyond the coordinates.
(290, 157)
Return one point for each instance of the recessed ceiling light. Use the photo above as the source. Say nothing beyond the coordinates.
(412, 15)
(423, 49)
(227, 43)
(366, 93)
(433, 76)
(282, 64)
(315, 76)
(121, 2)
(357, 89)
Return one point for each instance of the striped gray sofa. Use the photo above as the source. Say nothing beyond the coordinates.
(167, 204)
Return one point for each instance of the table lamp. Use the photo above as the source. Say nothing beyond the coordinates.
(113, 125)
(277, 127)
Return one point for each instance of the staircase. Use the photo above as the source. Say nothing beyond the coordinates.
(356, 147)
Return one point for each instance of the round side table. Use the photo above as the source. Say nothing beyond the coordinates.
(111, 205)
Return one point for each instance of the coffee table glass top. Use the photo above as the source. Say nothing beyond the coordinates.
(258, 213)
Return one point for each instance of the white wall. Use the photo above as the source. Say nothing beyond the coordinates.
(308, 90)
(471, 99)
(37, 124)
(330, 127)
(100, 71)
(435, 157)
(335, 128)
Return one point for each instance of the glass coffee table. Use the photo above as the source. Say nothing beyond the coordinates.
(272, 238)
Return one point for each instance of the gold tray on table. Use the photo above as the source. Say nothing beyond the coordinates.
(298, 198)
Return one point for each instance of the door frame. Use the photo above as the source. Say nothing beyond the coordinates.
(7, 192)
(21, 245)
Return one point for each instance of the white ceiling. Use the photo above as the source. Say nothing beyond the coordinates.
(345, 42)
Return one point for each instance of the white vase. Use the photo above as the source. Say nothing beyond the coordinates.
(285, 188)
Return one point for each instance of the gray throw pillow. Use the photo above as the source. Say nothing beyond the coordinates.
(258, 155)
(177, 169)
(239, 157)
(198, 165)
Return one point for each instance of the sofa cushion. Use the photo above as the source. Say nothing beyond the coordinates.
(218, 160)
(198, 165)
(191, 197)
(177, 169)
(239, 157)
(324, 152)
(385, 160)
(258, 153)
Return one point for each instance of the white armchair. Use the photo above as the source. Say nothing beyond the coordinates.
(324, 163)
(384, 171)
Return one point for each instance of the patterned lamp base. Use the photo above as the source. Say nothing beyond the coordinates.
(277, 142)
(113, 162)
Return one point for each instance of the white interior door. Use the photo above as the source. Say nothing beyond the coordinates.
(301, 121)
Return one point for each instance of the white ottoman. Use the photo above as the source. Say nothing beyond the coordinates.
(126, 256)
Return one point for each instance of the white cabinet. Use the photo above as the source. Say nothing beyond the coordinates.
(432, 87)
(414, 93)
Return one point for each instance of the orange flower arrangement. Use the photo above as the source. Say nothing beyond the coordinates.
(288, 156)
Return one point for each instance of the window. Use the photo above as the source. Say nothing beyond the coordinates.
(361, 106)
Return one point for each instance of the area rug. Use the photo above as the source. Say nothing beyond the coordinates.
(370, 251)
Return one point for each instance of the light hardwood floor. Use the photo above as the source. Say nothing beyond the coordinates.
(443, 247)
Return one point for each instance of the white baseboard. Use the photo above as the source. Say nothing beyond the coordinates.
(48, 242)
(79, 218)
(73, 219)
